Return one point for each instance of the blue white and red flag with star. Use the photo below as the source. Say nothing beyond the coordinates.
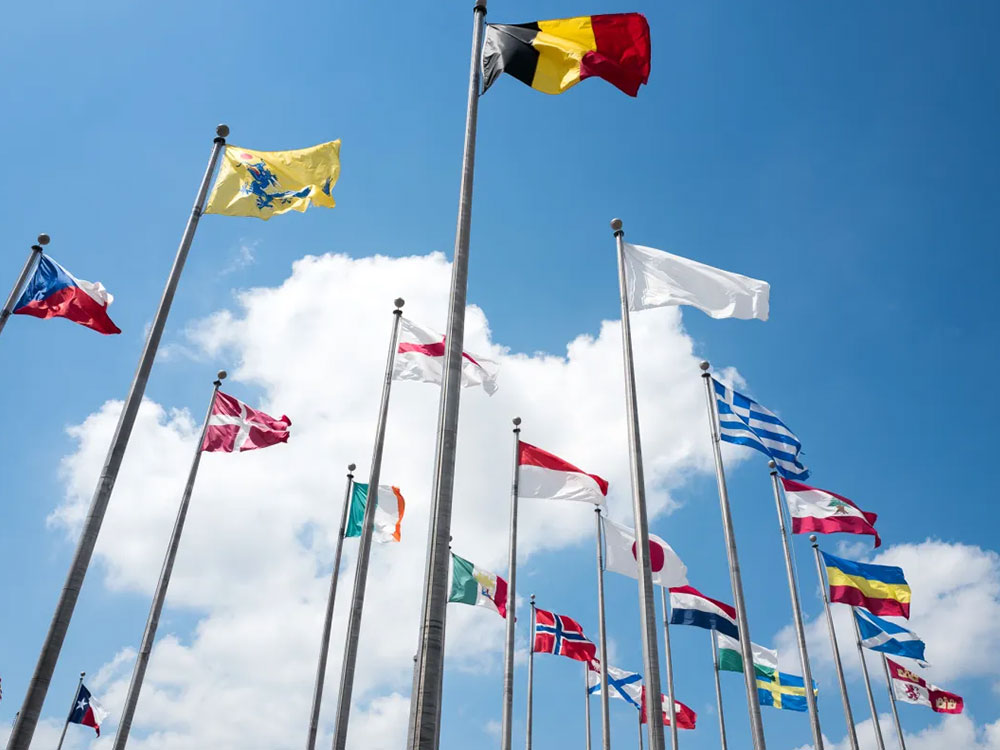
(87, 711)
(561, 635)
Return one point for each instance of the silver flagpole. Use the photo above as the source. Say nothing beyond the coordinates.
(892, 702)
(639, 713)
(425, 704)
(671, 708)
(324, 644)
(29, 264)
(647, 604)
(735, 577)
(605, 713)
(160, 593)
(508, 651)
(531, 675)
(868, 684)
(586, 698)
(718, 690)
(800, 633)
(72, 708)
(364, 548)
(852, 734)
(24, 727)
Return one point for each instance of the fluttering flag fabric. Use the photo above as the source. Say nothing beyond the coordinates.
(623, 685)
(657, 279)
(234, 426)
(420, 356)
(389, 510)
(912, 688)
(743, 421)
(87, 710)
(888, 637)
(881, 589)
(552, 56)
(268, 183)
(765, 660)
(688, 606)
(561, 635)
(686, 718)
(471, 584)
(546, 476)
(816, 511)
(53, 292)
(784, 691)
(620, 556)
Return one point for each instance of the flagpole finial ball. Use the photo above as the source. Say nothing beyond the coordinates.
(771, 464)
(704, 365)
(616, 225)
(812, 538)
(221, 374)
(43, 239)
(516, 421)
(351, 467)
(400, 302)
(82, 675)
(222, 130)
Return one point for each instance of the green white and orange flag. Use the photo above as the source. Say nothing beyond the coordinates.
(388, 512)
(480, 588)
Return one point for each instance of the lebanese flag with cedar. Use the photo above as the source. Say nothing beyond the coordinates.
(235, 426)
(540, 474)
(420, 357)
(816, 511)
(686, 718)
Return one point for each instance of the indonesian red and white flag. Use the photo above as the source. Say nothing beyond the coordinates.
(420, 356)
(543, 475)
(620, 556)
(234, 426)
(686, 718)
(816, 511)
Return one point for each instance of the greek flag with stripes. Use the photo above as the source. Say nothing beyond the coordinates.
(745, 422)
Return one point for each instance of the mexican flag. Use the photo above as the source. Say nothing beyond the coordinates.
(478, 587)
(765, 661)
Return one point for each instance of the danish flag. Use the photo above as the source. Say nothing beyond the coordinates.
(561, 635)
(234, 426)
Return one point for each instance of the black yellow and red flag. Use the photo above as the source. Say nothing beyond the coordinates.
(552, 56)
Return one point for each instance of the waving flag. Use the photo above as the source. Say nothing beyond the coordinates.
(420, 357)
(765, 660)
(234, 426)
(785, 691)
(87, 711)
(686, 718)
(544, 475)
(816, 511)
(53, 292)
(620, 556)
(888, 637)
(561, 635)
(688, 606)
(389, 509)
(552, 56)
(880, 589)
(912, 688)
(625, 686)
(480, 588)
(268, 183)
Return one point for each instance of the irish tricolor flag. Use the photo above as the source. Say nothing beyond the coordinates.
(541, 474)
(478, 587)
(388, 512)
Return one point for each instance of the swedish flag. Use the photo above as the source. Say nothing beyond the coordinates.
(785, 691)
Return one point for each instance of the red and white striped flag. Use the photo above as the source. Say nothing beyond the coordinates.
(547, 476)
(234, 426)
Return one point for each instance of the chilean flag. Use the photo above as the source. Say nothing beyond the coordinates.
(53, 292)
(87, 711)
(688, 606)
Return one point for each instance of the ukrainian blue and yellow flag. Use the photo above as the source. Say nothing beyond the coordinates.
(881, 589)
(786, 691)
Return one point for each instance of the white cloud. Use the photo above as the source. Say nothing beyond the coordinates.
(956, 732)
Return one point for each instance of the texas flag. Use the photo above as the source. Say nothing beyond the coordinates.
(53, 292)
(420, 356)
(620, 556)
(87, 711)
(541, 474)
(234, 426)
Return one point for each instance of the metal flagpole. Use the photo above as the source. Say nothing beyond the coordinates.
(24, 727)
(647, 604)
(852, 734)
(892, 702)
(425, 703)
(324, 644)
(868, 685)
(531, 675)
(605, 713)
(586, 698)
(72, 708)
(735, 577)
(160, 594)
(364, 547)
(508, 651)
(718, 690)
(800, 633)
(29, 264)
(639, 713)
(672, 708)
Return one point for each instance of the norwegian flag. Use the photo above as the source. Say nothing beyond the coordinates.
(686, 718)
(561, 635)
(235, 426)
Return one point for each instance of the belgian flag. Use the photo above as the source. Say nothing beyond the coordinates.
(552, 56)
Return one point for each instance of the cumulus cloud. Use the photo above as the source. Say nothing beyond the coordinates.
(950, 732)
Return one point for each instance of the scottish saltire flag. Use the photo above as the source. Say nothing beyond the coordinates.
(87, 711)
(785, 691)
(561, 635)
(745, 422)
(888, 637)
(53, 292)
(624, 685)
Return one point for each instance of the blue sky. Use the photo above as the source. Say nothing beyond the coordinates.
(847, 154)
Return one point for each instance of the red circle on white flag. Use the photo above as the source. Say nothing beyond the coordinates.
(656, 556)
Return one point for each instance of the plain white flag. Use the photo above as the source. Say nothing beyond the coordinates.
(657, 279)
